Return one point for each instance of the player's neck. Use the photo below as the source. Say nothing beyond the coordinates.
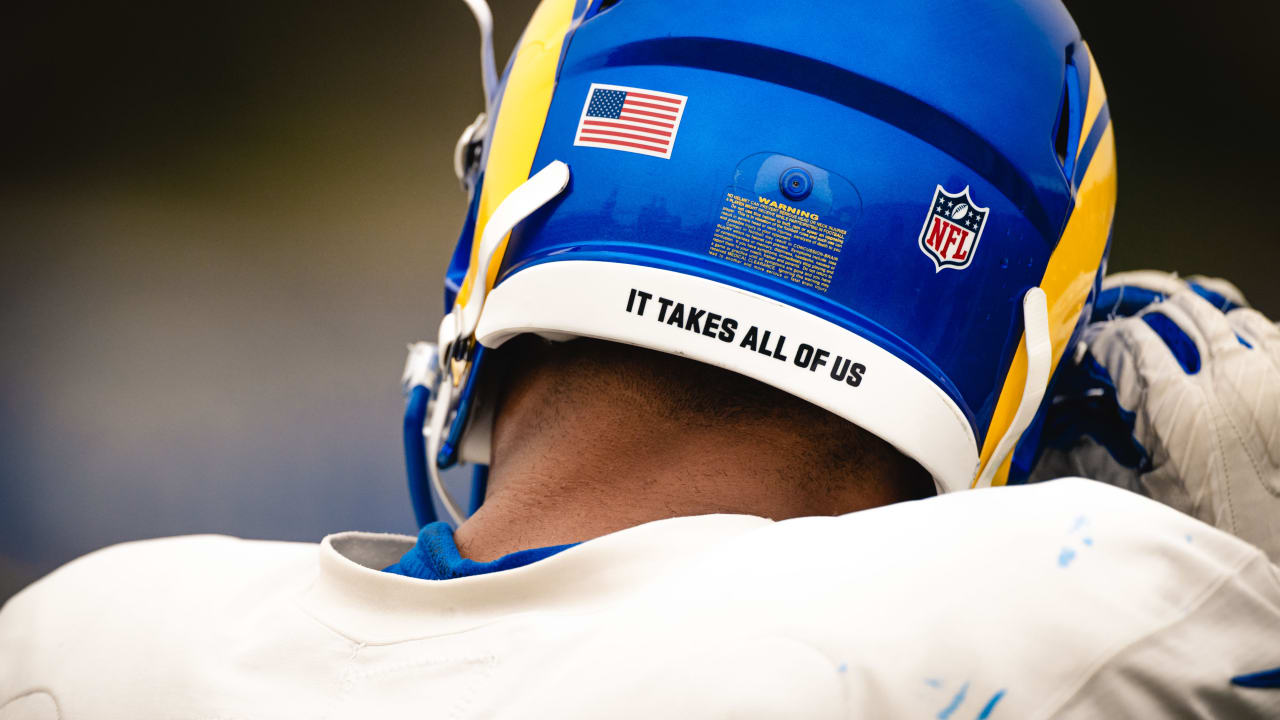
(568, 471)
(593, 488)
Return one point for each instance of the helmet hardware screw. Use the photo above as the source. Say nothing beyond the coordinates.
(796, 184)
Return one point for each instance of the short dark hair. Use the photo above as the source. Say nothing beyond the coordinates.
(692, 393)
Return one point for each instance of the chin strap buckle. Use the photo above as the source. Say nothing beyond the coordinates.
(461, 353)
(468, 151)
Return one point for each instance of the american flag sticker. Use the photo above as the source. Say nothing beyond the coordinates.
(630, 120)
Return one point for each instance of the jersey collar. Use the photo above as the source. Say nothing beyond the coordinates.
(353, 596)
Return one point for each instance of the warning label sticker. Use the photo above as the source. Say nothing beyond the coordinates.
(778, 239)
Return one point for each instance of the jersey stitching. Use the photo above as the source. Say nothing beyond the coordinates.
(344, 684)
(486, 666)
(57, 708)
(1191, 607)
(297, 602)
(478, 660)
(350, 677)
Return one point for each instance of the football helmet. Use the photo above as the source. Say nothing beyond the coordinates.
(896, 211)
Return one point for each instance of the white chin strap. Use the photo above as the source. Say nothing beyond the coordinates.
(460, 325)
(1035, 314)
(488, 68)
(520, 204)
(474, 133)
(440, 412)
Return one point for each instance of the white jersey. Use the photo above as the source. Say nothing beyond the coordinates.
(1069, 599)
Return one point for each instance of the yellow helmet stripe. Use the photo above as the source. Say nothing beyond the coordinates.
(1068, 279)
(521, 118)
(1097, 98)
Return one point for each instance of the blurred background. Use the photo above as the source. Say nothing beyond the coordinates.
(222, 222)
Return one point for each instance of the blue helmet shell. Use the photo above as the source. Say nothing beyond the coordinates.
(856, 114)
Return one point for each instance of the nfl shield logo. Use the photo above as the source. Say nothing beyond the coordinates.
(952, 229)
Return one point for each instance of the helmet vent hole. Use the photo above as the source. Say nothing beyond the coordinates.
(1062, 137)
(1067, 129)
(599, 7)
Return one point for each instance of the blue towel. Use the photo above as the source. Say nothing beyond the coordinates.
(436, 557)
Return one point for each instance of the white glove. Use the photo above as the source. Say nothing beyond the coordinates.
(1196, 390)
